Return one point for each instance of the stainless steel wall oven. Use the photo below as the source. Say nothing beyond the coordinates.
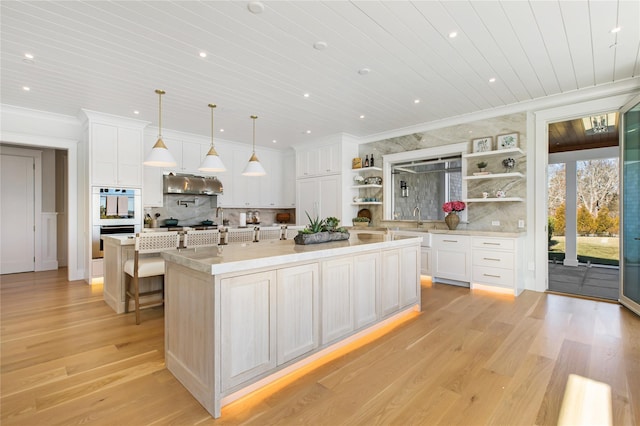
(114, 211)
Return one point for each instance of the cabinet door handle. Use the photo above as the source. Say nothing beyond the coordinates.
(491, 258)
(449, 241)
(491, 244)
(492, 276)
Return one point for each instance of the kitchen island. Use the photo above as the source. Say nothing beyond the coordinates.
(242, 315)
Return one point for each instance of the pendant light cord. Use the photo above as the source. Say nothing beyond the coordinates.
(212, 106)
(160, 93)
(254, 132)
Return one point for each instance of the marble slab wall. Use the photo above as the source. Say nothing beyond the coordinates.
(479, 215)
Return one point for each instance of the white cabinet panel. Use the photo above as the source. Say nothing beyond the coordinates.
(116, 154)
(317, 161)
(248, 318)
(366, 280)
(246, 188)
(452, 257)
(409, 276)
(152, 192)
(319, 196)
(227, 178)
(425, 261)
(191, 158)
(330, 193)
(298, 311)
(389, 294)
(337, 299)
(288, 180)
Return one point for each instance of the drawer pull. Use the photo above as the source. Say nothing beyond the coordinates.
(491, 244)
(491, 258)
(493, 276)
(449, 241)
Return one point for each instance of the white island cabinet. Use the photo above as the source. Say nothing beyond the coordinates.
(241, 316)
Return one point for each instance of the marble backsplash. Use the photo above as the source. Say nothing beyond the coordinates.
(192, 210)
(479, 216)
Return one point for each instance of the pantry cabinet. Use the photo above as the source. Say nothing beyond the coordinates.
(321, 160)
(320, 197)
(116, 155)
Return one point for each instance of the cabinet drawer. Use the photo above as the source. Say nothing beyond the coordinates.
(451, 242)
(493, 259)
(494, 276)
(494, 243)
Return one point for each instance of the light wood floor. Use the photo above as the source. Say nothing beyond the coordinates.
(468, 359)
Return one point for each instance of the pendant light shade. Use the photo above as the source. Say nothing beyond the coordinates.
(160, 155)
(212, 161)
(253, 167)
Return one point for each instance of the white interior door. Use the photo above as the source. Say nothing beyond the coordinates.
(17, 209)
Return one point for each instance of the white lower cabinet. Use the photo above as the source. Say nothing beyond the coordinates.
(495, 264)
(409, 278)
(366, 280)
(248, 319)
(452, 257)
(298, 310)
(337, 299)
(425, 261)
(389, 294)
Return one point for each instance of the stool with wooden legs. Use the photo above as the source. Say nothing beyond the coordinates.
(147, 265)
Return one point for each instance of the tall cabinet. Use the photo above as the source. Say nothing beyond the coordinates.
(321, 178)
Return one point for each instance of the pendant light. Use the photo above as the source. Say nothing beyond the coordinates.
(212, 161)
(160, 155)
(253, 167)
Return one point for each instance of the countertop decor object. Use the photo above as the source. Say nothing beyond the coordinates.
(171, 222)
(364, 213)
(283, 217)
(452, 220)
(207, 222)
(321, 231)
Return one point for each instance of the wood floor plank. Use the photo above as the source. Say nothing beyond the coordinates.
(469, 358)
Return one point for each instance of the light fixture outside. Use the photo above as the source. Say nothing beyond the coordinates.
(160, 155)
(602, 123)
(253, 167)
(212, 161)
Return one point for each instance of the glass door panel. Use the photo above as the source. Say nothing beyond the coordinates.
(630, 236)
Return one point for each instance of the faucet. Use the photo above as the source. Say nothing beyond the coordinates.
(414, 214)
(220, 210)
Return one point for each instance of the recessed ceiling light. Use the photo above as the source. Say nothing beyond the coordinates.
(320, 45)
(416, 101)
(26, 88)
(306, 95)
(136, 112)
(274, 141)
(615, 30)
(492, 80)
(221, 130)
(364, 71)
(256, 7)
(453, 34)
(203, 54)
(28, 55)
(362, 116)
(308, 132)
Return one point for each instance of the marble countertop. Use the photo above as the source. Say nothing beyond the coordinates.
(237, 257)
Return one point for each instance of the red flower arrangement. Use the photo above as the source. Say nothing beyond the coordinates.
(453, 206)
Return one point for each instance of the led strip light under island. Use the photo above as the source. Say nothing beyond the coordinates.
(240, 316)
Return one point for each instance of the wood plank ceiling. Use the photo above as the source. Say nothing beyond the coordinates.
(571, 135)
(110, 56)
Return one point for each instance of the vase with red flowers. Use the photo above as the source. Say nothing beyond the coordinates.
(452, 208)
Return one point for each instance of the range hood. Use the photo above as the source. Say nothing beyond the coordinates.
(175, 183)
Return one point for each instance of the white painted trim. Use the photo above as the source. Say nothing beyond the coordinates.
(586, 154)
(538, 171)
(426, 153)
(570, 219)
(112, 120)
(75, 269)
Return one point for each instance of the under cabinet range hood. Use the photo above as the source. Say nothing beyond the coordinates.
(175, 183)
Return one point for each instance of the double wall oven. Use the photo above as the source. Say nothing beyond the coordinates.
(114, 211)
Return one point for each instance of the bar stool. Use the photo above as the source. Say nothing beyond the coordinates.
(147, 266)
(207, 238)
(269, 233)
(240, 235)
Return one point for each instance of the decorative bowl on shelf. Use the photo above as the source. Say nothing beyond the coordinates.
(283, 217)
(171, 222)
(373, 180)
(207, 222)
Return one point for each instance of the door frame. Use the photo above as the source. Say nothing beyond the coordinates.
(540, 152)
(627, 302)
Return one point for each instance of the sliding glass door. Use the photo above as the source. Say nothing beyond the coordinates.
(630, 226)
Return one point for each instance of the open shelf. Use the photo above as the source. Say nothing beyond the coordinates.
(366, 186)
(494, 152)
(365, 169)
(493, 200)
(495, 176)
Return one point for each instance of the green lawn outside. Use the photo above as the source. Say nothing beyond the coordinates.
(602, 250)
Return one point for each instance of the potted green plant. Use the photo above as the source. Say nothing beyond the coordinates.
(361, 221)
(482, 165)
(321, 231)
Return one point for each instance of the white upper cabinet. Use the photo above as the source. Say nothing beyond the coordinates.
(116, 155)
(316, 161)
(288, 180)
